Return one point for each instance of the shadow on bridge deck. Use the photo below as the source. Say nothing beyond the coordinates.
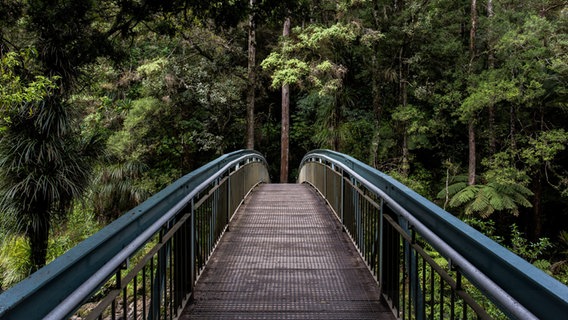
(285, 257)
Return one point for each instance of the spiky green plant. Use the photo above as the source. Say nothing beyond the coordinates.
(14, 261)
(485, 199)
(44, 166)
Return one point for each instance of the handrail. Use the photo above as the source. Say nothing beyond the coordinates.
(56, 290)
(511, 282)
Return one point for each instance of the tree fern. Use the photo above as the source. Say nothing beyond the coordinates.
(485, 199)
(465, 195)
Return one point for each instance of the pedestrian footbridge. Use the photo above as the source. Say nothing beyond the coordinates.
(345, 242)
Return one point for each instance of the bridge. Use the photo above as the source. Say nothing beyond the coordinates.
(346, 242)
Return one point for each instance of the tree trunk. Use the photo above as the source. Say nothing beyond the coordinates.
(492, 139)
(38, 235)
(472, 158)
(405, 153)
(335, 123)
(403, 88)
(473, 31)
(377, 111)
(251, 75)
(472, 155)
(285, 140)
(534, 228)
(491, 65)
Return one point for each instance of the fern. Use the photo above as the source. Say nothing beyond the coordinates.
(485, 199)
(465, 195)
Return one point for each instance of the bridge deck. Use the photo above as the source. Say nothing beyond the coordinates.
(285, 257)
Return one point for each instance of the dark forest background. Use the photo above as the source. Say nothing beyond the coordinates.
(103, 103)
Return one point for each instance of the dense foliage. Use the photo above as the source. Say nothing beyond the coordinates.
(103, 103)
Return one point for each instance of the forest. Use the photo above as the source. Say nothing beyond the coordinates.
(104, 103)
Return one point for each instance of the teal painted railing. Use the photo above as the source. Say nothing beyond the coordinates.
(402, 236)
(144, 264)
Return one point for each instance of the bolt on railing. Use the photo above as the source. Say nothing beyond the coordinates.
(145, 264)
(427, 263)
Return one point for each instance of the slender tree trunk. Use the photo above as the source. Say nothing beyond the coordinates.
(473, 31)
(491, 65)
(403, 74)
(492, 138)
(335, 122)
(405, 153)
(534, 229)
(285, 140)
(377, 110)
(472, 158)
(377, 107)
(38, 235)
(472, 153)
(251, 75)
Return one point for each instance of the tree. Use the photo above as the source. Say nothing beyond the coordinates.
(486, 199)
(251, 75)
(472, 159)
(307, 61)
(285, 136)
(45, 165)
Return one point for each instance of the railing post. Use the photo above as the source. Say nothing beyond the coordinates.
(229, 209)
(391, 263)
(159, 281)
(342, 205)
(192, 244)
(415, 291)
(380, 239)
(357, 214)
(324, 179)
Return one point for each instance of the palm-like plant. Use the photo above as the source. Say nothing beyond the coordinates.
(44, 165)
(485, 199)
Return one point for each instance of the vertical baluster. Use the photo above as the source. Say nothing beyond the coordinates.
(424, 291)
(171, 277)
(135, 297)
(432, 291)
(441, 298)
(452, 302)
(404, 279)
(144, 297)
(125, 302)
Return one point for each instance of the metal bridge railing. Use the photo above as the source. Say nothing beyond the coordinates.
(143, 265)
(428, 264)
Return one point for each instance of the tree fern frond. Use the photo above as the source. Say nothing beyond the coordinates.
(520, 189)
(481, 201)
(459, 178)
(464, 196)
(454, 188)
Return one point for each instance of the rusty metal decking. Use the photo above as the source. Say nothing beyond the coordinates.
(285, 257)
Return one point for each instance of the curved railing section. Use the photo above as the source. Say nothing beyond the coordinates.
(428, 263)
(144, 264)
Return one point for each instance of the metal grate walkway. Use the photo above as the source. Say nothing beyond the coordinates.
(285, 257)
